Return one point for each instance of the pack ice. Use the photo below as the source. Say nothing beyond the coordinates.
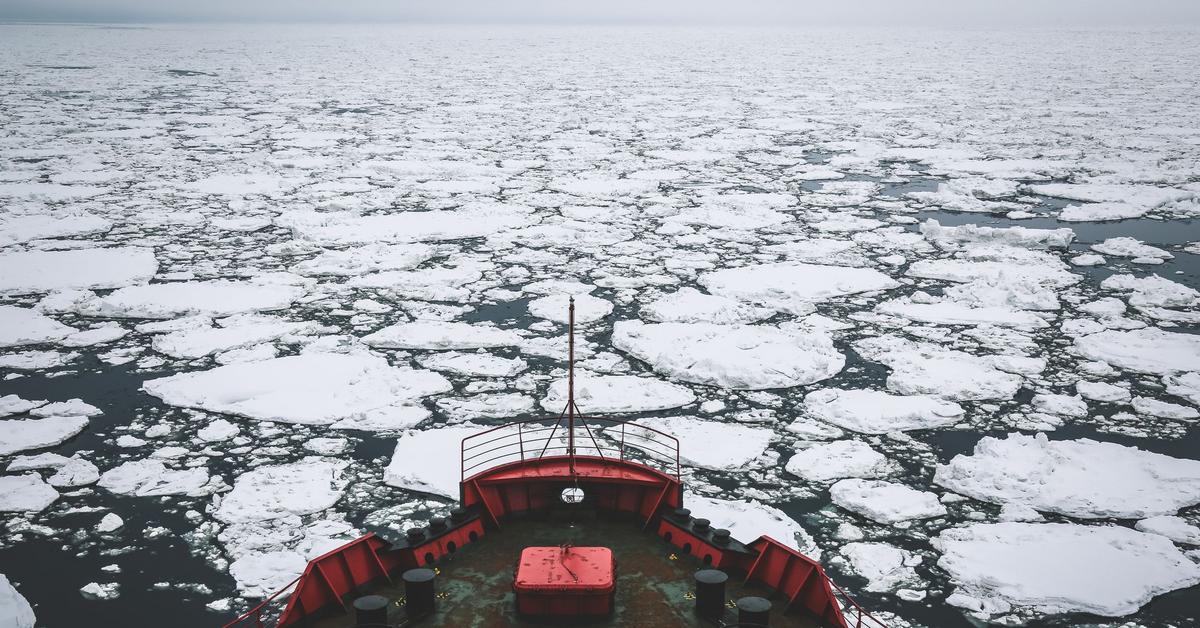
(751, 357)
(1081, 478)
(1060, 567)
(792, 287)
(311, 388)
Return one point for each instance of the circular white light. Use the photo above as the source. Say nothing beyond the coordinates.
(572, 495)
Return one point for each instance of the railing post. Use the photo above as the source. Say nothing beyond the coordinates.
(521, 439)
(622, 441)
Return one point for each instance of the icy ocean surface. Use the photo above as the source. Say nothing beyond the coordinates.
(924, 303)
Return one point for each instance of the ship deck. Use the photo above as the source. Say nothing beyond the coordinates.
(654, 581)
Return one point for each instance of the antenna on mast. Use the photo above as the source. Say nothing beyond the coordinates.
(571, 387)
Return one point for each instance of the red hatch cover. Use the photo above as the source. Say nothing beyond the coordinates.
(565, 581)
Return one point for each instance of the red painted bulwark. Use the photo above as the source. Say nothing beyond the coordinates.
(330, 577)
(801, 579)
(610, 483)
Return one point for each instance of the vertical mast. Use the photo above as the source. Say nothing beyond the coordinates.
(571, 388)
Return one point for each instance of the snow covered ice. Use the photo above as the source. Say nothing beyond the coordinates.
(312, 388)
(294, 267)
(1060, 567)
(1081, 478)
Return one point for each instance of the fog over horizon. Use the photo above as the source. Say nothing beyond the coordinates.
(873, 13)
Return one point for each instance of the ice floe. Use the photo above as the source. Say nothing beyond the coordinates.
(69, 472)
(731, 356)
(1125, 246)
(954, 237)
(555, 308)
(25, 493)
(152, 478)
(928, 369)
(1147, 350)
(18, 229)
(688, 305)
(953, 313)
(473, 364)
(310, 388)
(412, 226)
(1060, 568)
(878, 412)
(24, 434)
(748, 520)
(885, 567)
(793, 288)
(839, 459)
(703, 443)
(1081, 478)
(599, 394)
(15, 610)
(274, 491)
(360, 260)
(425, 334)
(420, 463)
(32, 272)
(20, 326)
(885, 502)
(184, 298)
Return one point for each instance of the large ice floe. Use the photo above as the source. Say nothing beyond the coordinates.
(20, 326)
(885, 567)
(152, 478)
(15, 611)
(689, 305)
(32, 433)
(555, 307)
(415, 226)
(421, 462)
(746, 521)
(826, 462)
(271, 492)
(878, 412)
(425, 334)
(751, 357)
(617, 394)
(1146, 350)
(25, 493)
(1060, 567)
(310, 388)
(212, 298)
(30, 272)
(920, 368)
(1081, 478)
(793, 288)
(885, 502)
(703, 443)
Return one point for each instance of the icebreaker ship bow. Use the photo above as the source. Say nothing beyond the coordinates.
(564, 521)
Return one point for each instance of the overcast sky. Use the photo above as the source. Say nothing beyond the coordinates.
(976, 13)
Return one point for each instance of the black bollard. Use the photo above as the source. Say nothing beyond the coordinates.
(710, 593)
(415, 536)
(720, 536)
(754, 611)
(418, 592)
(370, 610)
(700, 525)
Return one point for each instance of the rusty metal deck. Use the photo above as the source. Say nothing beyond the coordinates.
(654, 582)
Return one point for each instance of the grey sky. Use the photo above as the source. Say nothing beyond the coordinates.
(976, 13)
